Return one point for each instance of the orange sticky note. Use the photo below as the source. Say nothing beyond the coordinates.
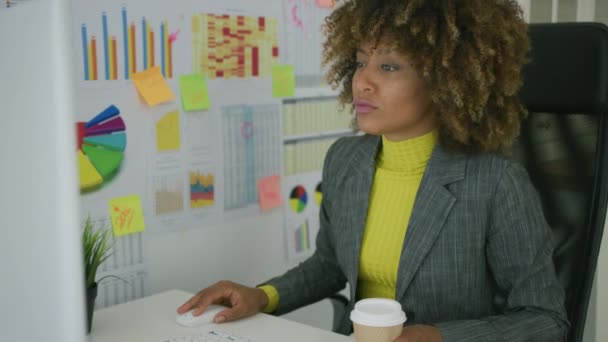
(127, 215)
(326, 3)
(269, 191)
(152, 86)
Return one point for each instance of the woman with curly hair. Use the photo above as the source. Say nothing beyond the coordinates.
(423, 208)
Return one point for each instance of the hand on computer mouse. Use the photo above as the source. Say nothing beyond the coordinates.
(187, 319)
(241, 301)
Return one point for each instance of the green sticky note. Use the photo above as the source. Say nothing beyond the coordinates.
(194, 92)
(283, 80)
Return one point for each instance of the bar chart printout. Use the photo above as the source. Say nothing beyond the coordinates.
(139, 46)
(169, 194)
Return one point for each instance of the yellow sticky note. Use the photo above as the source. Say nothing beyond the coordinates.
(127, 215)
(167, 132)
(283, 80)
(269, 190)
(152, 86)
(194, 92)
(326, 3)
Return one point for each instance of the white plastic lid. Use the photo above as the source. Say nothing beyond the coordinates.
(378, 312)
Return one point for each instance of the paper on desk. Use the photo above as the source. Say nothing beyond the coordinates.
(194, 92)
(269, 190)
(127, 215)
(152, 86)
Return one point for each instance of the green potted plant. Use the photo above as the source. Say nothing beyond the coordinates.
(97, 245)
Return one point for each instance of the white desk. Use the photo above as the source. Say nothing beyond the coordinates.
(152, 319)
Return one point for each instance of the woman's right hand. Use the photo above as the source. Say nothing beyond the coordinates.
(242, 301)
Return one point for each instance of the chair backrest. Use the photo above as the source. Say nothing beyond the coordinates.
(564, 148)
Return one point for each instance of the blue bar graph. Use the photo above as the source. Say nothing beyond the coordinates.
(106, 42)
(144, 42)
(85, 51)
(125, 41)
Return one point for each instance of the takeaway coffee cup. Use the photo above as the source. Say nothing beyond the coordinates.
(377, 320)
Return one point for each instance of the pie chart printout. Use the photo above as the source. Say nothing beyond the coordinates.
(298, 199)
(101, 145)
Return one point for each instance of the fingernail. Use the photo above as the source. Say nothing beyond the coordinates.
(220, 319)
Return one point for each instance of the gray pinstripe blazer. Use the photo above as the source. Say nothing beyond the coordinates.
(477, 233)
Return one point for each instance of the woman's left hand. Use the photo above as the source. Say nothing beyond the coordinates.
(420, 333)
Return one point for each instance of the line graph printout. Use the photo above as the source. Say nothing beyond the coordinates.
(225, 46)
(252, 149)
(112, 291)
(304, 38)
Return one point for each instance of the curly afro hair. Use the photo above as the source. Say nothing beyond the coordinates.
(469, 52)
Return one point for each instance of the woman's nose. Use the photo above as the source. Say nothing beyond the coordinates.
(362, 80)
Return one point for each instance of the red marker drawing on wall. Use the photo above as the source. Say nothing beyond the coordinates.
(294, 17)
(173, 36)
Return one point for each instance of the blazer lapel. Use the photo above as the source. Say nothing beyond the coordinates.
(358, 185)
(431, 208)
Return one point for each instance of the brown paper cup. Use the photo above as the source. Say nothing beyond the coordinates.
(366, 333)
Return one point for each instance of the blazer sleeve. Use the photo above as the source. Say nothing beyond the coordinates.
(320, 275)
(519, 252)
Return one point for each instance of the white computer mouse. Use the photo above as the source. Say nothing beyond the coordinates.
(188, 320)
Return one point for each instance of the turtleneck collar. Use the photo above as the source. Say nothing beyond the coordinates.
(409, 156)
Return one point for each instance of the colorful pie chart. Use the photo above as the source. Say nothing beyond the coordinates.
(298, 199)
(101, 145)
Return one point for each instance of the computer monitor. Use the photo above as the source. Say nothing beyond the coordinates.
(41, 274)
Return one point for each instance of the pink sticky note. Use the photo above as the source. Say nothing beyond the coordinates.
(326, 3)
(269, 191)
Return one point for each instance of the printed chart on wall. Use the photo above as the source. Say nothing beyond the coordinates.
(225, 46)
(252, 150)
(101, 144)
(304, 38)
(127, 262)
(201, 146)
(116, 41)
(303, 194)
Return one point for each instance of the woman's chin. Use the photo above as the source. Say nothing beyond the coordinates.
(367, 129)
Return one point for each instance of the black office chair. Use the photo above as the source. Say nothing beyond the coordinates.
(563, 145)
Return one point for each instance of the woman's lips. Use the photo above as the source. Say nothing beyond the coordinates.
(364, 107)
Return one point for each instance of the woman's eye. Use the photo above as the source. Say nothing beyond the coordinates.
(387, 67)
(359, 64)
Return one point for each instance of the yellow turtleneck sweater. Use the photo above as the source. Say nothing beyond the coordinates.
(399, 169)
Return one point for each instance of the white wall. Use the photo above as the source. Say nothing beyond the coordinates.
(207, 255)
(42, 286)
